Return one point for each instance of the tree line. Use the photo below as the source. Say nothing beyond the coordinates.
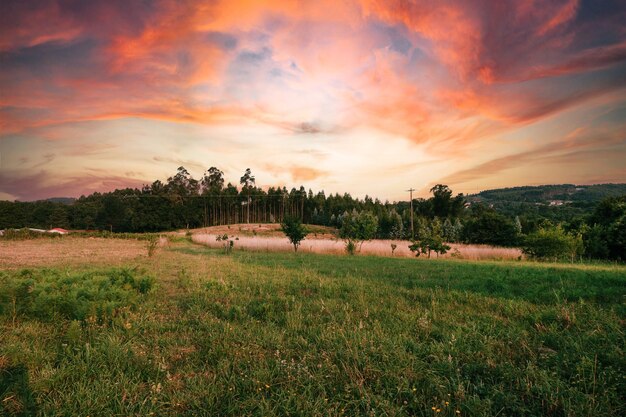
(186, 202)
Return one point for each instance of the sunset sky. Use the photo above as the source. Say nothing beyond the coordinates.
(364, 96)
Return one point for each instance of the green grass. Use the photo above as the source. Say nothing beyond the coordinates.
(284, 334)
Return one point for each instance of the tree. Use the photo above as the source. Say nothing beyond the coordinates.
(458, 229)
(450, 231)
(247, 182)
(443, 205)
(617, 238)
(357, 228)
(294, 230)
(595, 241)
(213, 180)
(390, 225)
(58, 217)
(442, 195)
(552, 244)
(182, 184)
(397, 229)
(431, 242)
(490, 227)
(422, 230)
(180, 188)
(518, 225)
(113, 214)
(606, 238)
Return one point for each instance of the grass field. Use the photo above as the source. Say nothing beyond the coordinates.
(268, 237)
(377, 247)
(192, 331)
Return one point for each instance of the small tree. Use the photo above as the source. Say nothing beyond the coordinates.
(294, 230)
(248, 183)
(428, 245)
(356, 228)
(227, 244)
(430, 242)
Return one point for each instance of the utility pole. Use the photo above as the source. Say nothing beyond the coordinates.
(410, 190)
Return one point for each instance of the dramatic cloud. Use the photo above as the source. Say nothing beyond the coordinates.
(366, 96)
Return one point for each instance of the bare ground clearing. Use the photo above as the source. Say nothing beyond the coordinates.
(261, 229)
(68, 250)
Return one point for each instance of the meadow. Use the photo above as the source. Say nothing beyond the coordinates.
(193, 331)
(324, 240)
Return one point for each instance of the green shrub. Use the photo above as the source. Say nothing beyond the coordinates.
(552, 244)
(26, 234)
(152, 245)
(48, 294)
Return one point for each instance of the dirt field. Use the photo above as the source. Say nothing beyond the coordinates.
(68, 251)
(261, 230)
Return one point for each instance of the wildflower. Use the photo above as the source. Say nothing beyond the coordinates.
(439, 410)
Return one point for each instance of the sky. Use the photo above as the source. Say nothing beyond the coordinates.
(361, 96)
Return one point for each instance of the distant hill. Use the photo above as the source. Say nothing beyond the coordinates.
(62, 200)
(550, 194)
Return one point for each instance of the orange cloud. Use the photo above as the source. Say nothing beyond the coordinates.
(571, 147)
(300, 173)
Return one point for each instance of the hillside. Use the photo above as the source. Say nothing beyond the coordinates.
(547, 194)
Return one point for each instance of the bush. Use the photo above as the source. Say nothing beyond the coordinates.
(552, 244)
(48, 294)
(152, 245)
(26, 234)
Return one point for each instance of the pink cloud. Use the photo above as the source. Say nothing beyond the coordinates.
(44, 184)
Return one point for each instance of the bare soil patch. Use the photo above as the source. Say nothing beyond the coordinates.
(262, 230)
(68, 251)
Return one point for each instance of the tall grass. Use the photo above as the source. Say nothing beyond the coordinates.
(374, 247)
